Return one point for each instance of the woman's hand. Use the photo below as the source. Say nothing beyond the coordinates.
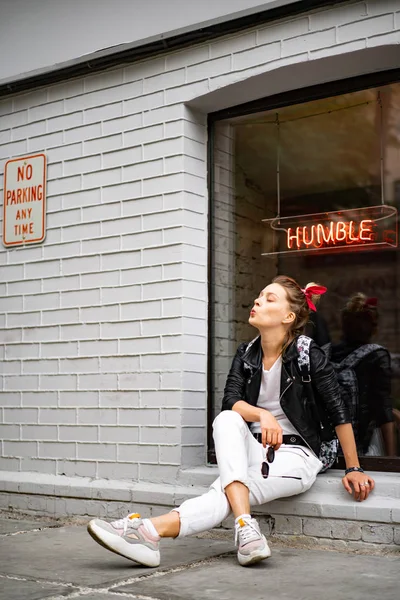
(361, 483)
(271, 431)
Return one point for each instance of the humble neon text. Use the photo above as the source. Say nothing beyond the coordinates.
(340, 232)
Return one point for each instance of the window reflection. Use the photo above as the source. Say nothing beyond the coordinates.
(364, 373)
(335, 154)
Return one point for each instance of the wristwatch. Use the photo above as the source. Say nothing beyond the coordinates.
(352, 469)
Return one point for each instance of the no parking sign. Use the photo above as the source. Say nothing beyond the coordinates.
(24, 210)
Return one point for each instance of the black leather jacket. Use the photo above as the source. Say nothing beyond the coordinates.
(244, 381)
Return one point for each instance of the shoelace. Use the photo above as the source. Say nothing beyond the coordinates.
(247, 533)
(125, 522)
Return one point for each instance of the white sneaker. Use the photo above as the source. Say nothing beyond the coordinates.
(252, 545)
(127, 537)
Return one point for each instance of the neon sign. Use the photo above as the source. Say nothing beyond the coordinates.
(320, 235)
(341, 231)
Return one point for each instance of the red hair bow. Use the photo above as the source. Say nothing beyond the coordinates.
(372, 302)
(313, 290)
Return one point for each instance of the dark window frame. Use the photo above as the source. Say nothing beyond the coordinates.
(298, 96)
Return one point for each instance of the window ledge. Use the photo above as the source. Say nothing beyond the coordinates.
(327, 497)
(62, 496)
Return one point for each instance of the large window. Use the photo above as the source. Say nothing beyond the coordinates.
(302, 161)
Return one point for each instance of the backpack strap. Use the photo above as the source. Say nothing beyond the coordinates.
(303, 348)
(326, 432)
(357, 355)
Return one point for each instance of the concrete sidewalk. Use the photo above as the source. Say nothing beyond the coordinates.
(46, 559)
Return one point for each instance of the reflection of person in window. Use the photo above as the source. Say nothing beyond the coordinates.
(373, 372)
(317, 328)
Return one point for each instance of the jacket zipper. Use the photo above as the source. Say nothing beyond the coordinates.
(251, 371)
(280, 398)
(284, 392)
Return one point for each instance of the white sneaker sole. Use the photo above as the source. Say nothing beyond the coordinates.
(254, 557)
(136, 552)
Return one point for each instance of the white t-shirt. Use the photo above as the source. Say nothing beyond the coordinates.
(268, 398)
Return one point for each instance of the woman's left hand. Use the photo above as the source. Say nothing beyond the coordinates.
(361, 483)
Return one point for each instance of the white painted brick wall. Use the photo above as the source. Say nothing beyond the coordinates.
(104, 325)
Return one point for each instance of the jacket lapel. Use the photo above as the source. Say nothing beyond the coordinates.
(252, 357)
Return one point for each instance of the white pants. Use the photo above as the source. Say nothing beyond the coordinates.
(239, 458)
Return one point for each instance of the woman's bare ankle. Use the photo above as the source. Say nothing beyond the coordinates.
(167, 525)
(238, 497)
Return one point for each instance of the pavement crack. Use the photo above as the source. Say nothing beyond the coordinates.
(133, 596)
(39, 581)
(168, 571)
(82, 592)
(111, 590)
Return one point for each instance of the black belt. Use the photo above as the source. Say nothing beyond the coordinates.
(292, 440)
